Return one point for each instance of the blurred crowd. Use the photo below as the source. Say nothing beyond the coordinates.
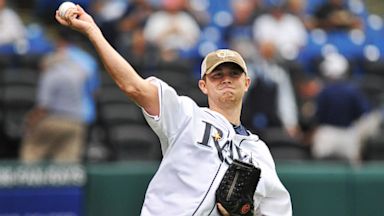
(316, 66)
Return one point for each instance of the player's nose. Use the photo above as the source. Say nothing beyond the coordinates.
(227, 78)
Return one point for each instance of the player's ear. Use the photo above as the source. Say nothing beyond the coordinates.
(202, 86)
(247, 83)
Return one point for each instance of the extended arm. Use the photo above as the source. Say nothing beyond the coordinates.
(138, 89)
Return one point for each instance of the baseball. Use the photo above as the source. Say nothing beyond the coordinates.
(64, 7)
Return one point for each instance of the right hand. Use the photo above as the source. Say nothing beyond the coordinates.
(222, 210)
(78, 19)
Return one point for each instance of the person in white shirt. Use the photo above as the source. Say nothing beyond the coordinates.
(171, 29)
(286, 31)
(11, 26)
(197, 143)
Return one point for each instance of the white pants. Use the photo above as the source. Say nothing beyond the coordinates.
(345, 143)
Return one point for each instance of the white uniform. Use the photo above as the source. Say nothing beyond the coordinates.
(197, 145)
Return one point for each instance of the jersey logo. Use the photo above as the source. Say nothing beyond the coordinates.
(226, 149)
(217, 136)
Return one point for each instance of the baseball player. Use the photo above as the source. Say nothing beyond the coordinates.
(198, 144)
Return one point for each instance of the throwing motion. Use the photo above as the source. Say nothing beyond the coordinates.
(198, 143)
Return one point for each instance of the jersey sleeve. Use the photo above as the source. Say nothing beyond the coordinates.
(175, 111)
(271, 197)
(277, 202)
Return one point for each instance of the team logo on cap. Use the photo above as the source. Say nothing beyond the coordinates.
(225, 53)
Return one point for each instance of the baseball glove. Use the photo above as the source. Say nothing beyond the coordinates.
(236, 189)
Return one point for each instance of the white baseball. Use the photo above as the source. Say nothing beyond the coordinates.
(64, 7)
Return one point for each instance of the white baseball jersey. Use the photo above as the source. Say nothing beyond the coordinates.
(197, 145)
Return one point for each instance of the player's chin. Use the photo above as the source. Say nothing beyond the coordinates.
(228, 97)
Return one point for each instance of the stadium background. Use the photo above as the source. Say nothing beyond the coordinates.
(116, 186)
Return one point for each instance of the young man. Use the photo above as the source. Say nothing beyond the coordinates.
(198, 144)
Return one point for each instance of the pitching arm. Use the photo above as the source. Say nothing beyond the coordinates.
(135, 87)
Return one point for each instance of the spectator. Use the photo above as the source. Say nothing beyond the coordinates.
(172, 30)
(340, 102)
(67, 42)
(11, 25)
(200, 10)
(271, 101)
(335, 14)
(135, 16)
(244, 14)
(343, 121)
(107, 14)
(297, 8)
(55, 127)
(131, 42)
(240, 31)
(143, 55)
(284, 31)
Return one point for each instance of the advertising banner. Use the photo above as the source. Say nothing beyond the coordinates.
(41, 190)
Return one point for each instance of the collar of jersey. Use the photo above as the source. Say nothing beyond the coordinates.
(229, 126)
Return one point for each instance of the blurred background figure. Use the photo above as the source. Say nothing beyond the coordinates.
(270, 107)
(134, 17)
(55, 128)
(335, 15)
(283, 30)
(343, 116)
(340, 102)
(143, 55)
(122, 23)
(107, 14)
(244, 13)
(130, 40)
(11, 25)
(69, 43)
(172, 30)
(298, 9)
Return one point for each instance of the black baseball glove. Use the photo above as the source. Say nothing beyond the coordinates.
(236, 189)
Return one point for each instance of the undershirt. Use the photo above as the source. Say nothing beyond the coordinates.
(240, 129)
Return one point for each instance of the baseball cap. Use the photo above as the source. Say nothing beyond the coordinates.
(334, 66)
(213, 59)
